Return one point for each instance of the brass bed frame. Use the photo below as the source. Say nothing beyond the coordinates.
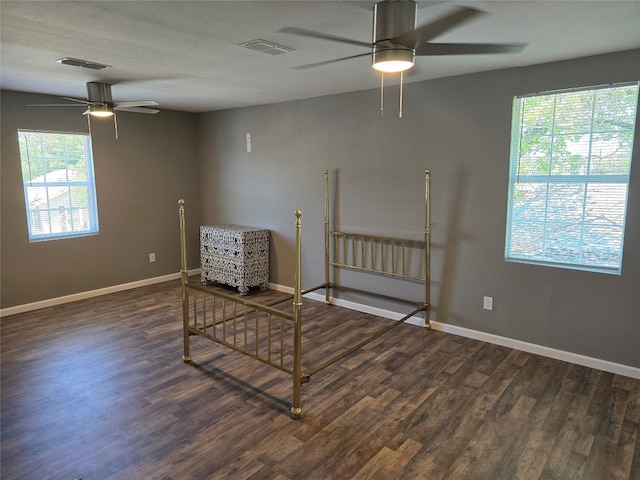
(274, 336)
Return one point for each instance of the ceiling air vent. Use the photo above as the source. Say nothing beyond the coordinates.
(76, 62)
(268, 48)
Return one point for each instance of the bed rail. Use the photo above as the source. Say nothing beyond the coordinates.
(257, 330)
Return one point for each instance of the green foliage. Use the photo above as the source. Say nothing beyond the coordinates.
(577, 133)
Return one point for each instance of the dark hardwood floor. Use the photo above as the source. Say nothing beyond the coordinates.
(96, 389)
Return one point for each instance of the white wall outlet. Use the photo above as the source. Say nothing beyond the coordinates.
(487, 303)
(248, 143)
(152, 257)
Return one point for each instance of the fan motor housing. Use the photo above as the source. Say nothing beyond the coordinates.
(98, 92)
(393, 18)
(390, 20)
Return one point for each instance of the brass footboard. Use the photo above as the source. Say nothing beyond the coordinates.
(264, 333)
(258, 331)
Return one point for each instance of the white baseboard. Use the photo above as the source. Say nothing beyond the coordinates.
(562, 355)
(51, 302)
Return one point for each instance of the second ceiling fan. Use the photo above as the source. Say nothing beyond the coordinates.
(99, 103)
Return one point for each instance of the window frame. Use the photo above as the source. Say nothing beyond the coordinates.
(549, 180)
(74, 219)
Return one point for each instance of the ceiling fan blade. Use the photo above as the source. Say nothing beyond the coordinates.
(56, 105)
(323, 36)
(327, 62)
(134, 109)
(139, 103)
(468, 48)
(85, 102)
(426, 32)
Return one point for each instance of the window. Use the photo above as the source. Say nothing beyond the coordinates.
(569, 177)
(59, 186)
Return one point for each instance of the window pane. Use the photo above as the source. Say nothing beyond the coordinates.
(566, 202)
(562, 242)
(603, 245)
(526, 238)
(537, 115)
(531, 202)
(615, 109)
(574, 112)
(611, 153)
(570, 155)
(606, 204)
(535, 155)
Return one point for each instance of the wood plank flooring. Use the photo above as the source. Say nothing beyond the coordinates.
(96, 390)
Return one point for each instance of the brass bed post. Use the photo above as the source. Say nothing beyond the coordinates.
(296, 409)
(427, 247)
(327, 280)
(186, 357)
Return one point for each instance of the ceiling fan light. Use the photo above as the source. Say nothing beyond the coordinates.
(393, 61)
(393, 66)
(101, 111)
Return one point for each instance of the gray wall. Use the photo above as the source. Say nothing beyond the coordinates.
(459, 128)
(139, 179)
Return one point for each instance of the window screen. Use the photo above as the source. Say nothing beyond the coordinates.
(569, 177)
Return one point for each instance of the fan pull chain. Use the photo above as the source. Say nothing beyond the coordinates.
(115, 123)
(382, 94)
(401, 81)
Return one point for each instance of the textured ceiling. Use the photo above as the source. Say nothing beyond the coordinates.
(186, 54)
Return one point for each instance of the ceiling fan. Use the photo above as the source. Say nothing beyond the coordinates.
(99, 103)
(397, 40)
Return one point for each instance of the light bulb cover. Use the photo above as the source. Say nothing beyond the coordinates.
(101, 111)
(393, 60)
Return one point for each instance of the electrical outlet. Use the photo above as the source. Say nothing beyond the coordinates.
(487, 303)
(152, 257)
